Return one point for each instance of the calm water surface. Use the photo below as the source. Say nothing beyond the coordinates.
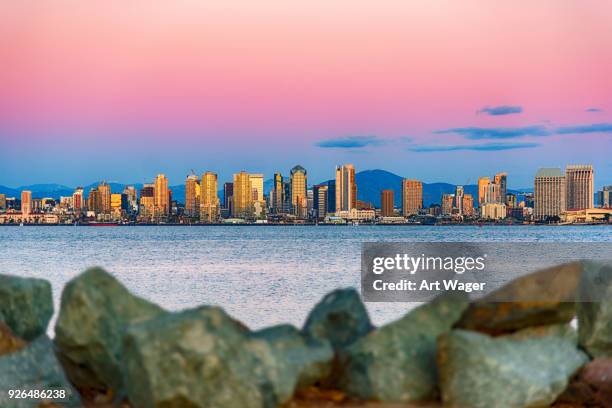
(261, 275)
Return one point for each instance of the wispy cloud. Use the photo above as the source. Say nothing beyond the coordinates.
(478, 133)
(593, 110)
(580, 129)
(476, 147)
(350, 142)
(501, 110)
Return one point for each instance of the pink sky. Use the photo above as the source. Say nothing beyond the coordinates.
(301, 71)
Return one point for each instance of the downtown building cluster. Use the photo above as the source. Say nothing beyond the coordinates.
(556, 197)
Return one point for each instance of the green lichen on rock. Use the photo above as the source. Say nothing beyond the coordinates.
(34, 367)
(479, 371)
(397, 362)
(340, 317)
(26, 305)
(95, 310)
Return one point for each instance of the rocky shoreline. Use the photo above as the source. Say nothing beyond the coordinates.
(114, 349)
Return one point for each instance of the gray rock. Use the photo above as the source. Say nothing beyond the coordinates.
(35, 367)
(397, 362)
(196, 358)
(26, 305)
(95, 310)
(340, 317)
(595, 309)
(479, 371)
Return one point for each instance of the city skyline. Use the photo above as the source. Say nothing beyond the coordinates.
(160, 87)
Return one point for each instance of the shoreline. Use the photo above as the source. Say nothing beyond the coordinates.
(308, 225)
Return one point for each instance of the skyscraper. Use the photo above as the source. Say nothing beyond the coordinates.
(603, 197)
(257, 186)
(299, 184)
(387, 203)
(77, 200)
(243, 196)
(412, 197)
(579, 188)
(228, 192)
(26, 202)
(501, 180)
(209, 198)
(468, 205)
(147, 200)
(94, 201)
(192, 196)
(320, 200)
(459, 199)
(2, 202)
(105, 197)
(549, 193)
(346, 188)
(447, 204)
(132, 200)
(331, 196)
(483, 190)
(162, 195)
(277, 194)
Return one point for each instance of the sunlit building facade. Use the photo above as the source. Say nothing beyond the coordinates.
(346, 188)
(412, 197)
(549, 193)
(209, 197)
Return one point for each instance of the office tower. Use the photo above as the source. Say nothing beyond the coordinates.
(467, 206)
(346, 188)
(298, 177)
(105, 197)
(501, 181)
(446, 207)
(459, 199)
(162, 196)
(257, 186)
(119, 205)
(549, 193)
(132, 200)
(26, 202)
(320, 204)
(243, 196)
(510, 200)
(147, 200)
(412, 197)
(77, 200)
(483, 190)
(331, 196)
(2, 202)
(277, 194)
(603, 197)
(579, 188)
(192, 196)
(228, 192)
(94, 201)
(209, 198)
(387, 203)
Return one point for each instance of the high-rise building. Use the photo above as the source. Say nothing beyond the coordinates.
(132, 199)
(511, 201)
(549, 193)
(459, 194)
(447, 204)
(603, 197)
(105, 197)
(320, 204)
(331, 196)
(147, 200)
(468, 205)
(483, 190)
(26, 202)
(346, 188)
(387, 203)
(77, 200)
(94, 201)
(2, 202)
(299, 183)
(243, 196)
(579, 187)
(228, 192)
(412, 197)
(501, 180)
(192, 196)
(257, 186)
(209, 198)
(162, 195)
(277, 196)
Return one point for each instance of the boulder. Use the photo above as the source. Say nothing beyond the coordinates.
(541, 298)
(196, 358)
(26, 305)
(9, 343)
(35, 367)
(340, 317)
(292, 361)
(95, 310)
(592, 386)
(397, 362)
(595, 309)
(479, 371)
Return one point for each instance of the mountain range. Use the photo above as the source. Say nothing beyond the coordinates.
(370, 183)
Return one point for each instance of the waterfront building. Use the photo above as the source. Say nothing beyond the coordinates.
(549, 193)
(77, 200)
(2, 202)
(412, 197)
(242, 201)
(320, 204)
(105, 197)
(147, 200)
(130, 192)
(603, 197)
(357, 215)
(192, 196)
(387, 203)
(587, 215)
(511, 200)
(162, 196)
(119, 205)
(501, 181)
(346, 188)
(579, 188)
(94, 201)
(483, 190)
(492, 191)
(277, 195)
(209, 198)
(299, 183)
(468, 205)
(446, 207)
(435, 210)
(493, 211)
(331, 196)
(26, 202)
(228, 193)
(257, 186)
(459, 194)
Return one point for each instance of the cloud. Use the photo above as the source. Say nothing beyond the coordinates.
(581, 129)
(477, 147)
(593, 110)
(501, 110)
(350, 142)
(478, 133)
